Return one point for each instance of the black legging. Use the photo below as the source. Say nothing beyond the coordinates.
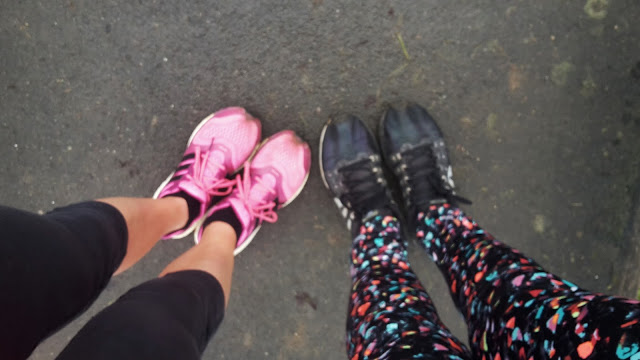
(52, 267)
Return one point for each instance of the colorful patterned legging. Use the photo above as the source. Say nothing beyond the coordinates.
(514, 309)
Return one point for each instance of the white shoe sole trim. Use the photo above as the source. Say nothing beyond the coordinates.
(324, 180)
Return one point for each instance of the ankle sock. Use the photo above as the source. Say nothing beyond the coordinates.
(192, 204)
(225, 215)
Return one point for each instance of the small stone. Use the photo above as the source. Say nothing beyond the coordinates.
(539, 223)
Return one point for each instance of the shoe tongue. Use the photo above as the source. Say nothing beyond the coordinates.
(215, 168)
(258, 194)
(241, 210)
(193, 190)
(263, 182)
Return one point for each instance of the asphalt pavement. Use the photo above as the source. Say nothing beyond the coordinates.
(539, 102)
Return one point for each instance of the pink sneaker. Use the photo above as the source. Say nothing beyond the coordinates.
(272, 180)
(218, 147)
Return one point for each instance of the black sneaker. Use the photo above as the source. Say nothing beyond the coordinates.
(413, 147)
(351, 169)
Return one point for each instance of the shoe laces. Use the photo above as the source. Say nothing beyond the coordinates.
(420, 164)
(211, 186)
(262, 209)
(365, 184)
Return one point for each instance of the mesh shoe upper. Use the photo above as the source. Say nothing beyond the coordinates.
(414, 149)
(272, 179)
(351, 169)
(219, 146)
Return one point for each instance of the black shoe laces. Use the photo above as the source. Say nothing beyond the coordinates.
(425, 178)
(366, 186)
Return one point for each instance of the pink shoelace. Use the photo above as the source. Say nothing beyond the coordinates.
(262, 210)
(217, 187)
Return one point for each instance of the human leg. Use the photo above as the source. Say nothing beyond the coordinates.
(171, 317)
(147, 221)
(176, 315)
(390, 314)
(513, 307)
(52, 267)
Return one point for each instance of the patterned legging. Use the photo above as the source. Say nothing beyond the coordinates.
(514, 309)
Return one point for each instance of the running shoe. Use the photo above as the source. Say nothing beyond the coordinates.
(217, 148)
(413, 147)
(272, 179)
(351, 168)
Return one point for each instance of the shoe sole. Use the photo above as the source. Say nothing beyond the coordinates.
(336, 200)
(251, 236)
(168, 179)
(324, 132)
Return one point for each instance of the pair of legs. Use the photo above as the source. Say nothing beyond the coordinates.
(514, 309)
(53, 266)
